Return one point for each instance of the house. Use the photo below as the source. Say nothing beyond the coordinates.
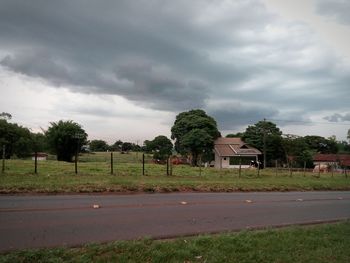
(40, 156)
(233, 153)
(325, 162)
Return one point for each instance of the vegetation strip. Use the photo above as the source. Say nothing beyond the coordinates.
(320, 243)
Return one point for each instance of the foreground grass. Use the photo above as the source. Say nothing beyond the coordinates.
(322, 243)
(94, 176)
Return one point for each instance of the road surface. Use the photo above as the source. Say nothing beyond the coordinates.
(69, 220)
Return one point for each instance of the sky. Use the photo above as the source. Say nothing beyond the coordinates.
(124, 69)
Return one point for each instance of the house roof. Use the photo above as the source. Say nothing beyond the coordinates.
(343, 159)
(233, 147)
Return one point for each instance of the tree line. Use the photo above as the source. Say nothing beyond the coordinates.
(193, 134)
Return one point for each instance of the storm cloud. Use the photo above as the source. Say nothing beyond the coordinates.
(336, 9)
(235, 59)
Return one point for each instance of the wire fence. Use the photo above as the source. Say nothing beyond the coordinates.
(141, 164)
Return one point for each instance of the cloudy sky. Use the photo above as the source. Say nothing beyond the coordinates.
(125, 69)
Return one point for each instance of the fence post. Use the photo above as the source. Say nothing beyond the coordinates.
(290, 168)
(111, 163)
(167, 166)
(304, 168)
(143, 164)
(240, 167)
(76, 162)
(171, 166)
(36, 162)
(276, 168)
(3, 159)
(319, 170)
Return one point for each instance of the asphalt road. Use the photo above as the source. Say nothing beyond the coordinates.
(69, 220)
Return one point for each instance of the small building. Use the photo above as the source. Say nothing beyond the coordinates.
(326, 162)
(233, 153)
(40, 156)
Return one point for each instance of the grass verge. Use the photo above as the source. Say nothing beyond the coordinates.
(321, 243)
(59, 177)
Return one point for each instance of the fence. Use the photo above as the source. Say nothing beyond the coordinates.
(138, 164)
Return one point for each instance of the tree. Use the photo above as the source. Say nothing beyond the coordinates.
(321, 145)
(65, 138)
(5, 116)
(297, 147)
(117, 146)
(266, 134)
(343, 147)
(235, 135)
(98, 146)
(348, 136)
(39, 142)
(127, 146)
(161, 147)
(187, 128)
(16, 139)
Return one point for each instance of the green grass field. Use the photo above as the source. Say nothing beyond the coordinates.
(94, 176)
(321, 243)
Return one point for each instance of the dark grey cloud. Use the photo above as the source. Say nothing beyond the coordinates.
(175, 55)
(234, 117)
(337, 9)
(336, 117)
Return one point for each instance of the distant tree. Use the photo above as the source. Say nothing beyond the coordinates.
(320, 144)
(186, 129)
(348, 136)
(98, 146)
(65, 138)
(235, 135)
(161, 147)
(16, 139)
(254, 135)
(297, 147)
(5, 116)
(127, 146)
(136, 147)
(39, 142)
(343, 147)
(147, 146)
(117, 146)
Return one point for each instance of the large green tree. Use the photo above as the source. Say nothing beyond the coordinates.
(65, 138)
(194, 133)
(266, 135)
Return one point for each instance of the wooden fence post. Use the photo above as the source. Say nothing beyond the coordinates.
(276, 162)
(143, 164)
(240, 167)
(112, 163)
(36, 162)
(3, 158)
